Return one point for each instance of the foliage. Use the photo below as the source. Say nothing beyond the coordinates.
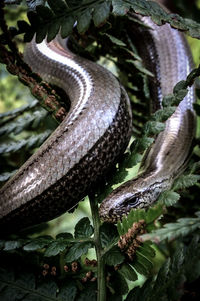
(63, 14)
(174, 272)
(182, 227)
(44, 267)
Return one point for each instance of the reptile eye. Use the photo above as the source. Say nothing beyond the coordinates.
(132, 201)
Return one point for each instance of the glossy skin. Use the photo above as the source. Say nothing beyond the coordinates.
(96, 130)
(87, 142)
(166, 54)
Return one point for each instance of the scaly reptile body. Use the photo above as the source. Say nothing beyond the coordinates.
(96, 130)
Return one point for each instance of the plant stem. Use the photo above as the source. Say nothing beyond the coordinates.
(101, 283)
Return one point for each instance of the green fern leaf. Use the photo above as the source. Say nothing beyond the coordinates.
(68, 292)
(84, 21)
(29, 119)
(44, 12)
(53, 30)
(77, 250)
(6, 175)
(136, 215)
(101, 13)
(113, 257)
(170, 231)
(18, 111)
(23, 286)
(57, 6)
(169, 198)
(38, 243)
(114, 40)
(108, 235)
(83, 228)
(128, 272)
(120, 7)
(67, 24)
(153, 127)
(185, 181)
(24, 143)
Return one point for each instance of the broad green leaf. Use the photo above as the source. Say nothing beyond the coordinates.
(44, 12)
(197, 108)
(153, 213)
(23, 26)
(141, 268)
(108, 234)
(153, 127)
(180, 95)
(145, 261)
(12, 245)
(48, 288)
(83, 228)
(119, 284)
(12, 294)
(67, 24)
(89, 293)
(147, 250)
(41, 34)
(138, 65)
(185, 181)
(120, 7)
(38, 243)
(168, 100)
(33, 18)
(52, 31)
(143, 293)
(163, 114)
(169, 198)
(77, 250)
(141, 144)
(55, 248)
(83, 22)
(67, 292)
(113, 256)
(114, 40)
(179, 86)
(26, 280)
(128, 272)
(64, 236)
(101, 13)
(57, 6)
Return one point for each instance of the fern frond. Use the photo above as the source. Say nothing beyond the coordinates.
(136, 215)
(168, 284)
(48, 20)
(14, 113)
(6, 175)
(31, 119)
(170, 231)
(31, 142)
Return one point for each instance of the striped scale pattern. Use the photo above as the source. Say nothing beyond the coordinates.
(90, 138)
(97, 129)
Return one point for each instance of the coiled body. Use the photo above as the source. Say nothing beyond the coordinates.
(96, 130)
(93, 134)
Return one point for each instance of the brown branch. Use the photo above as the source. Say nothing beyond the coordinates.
(10, 56)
